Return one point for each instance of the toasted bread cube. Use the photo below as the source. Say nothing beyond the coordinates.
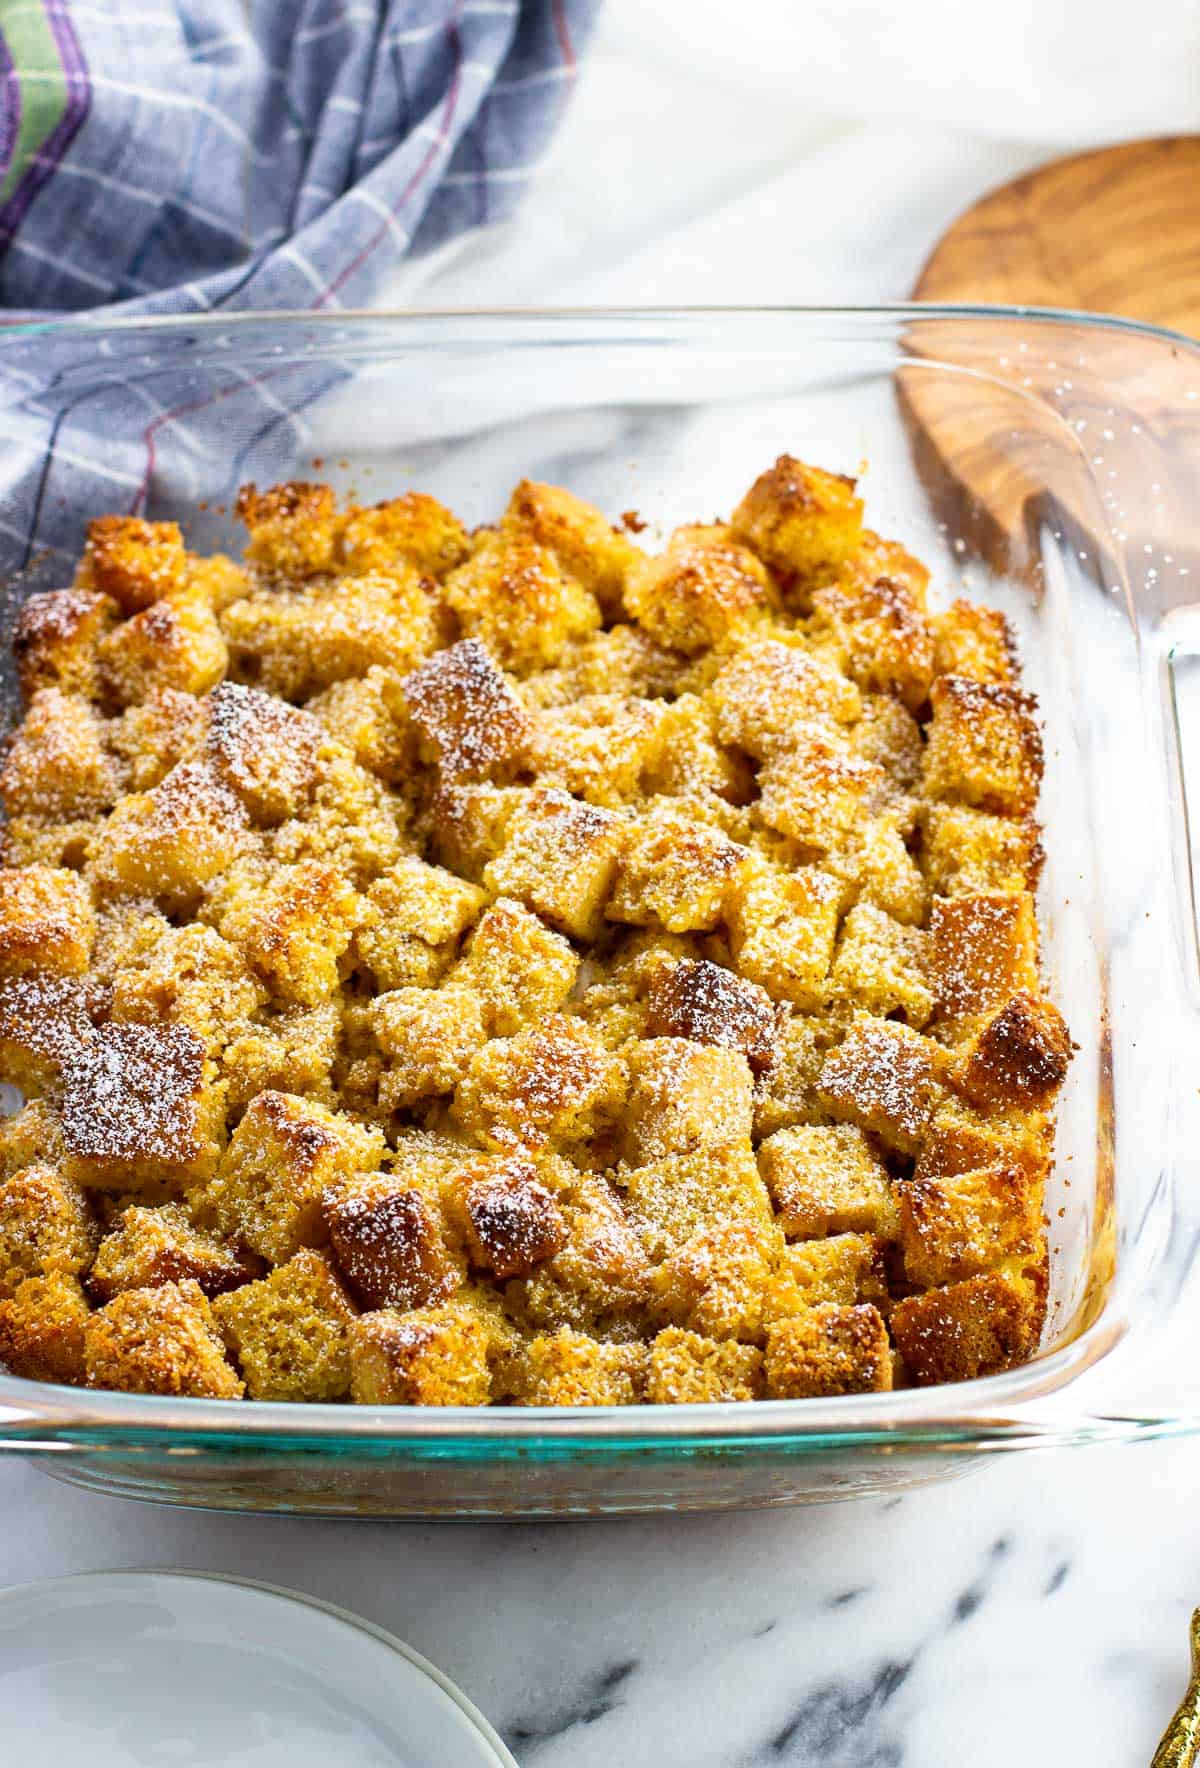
(368, 716)
(685, 1096)
(770, 688)
(876, 867)
(598, 748)
(687, 1369)
(675, 873)
(31, 1136)
(782, 930)
(622, 660)
(171, 644)
(887, 734)
(147, 1247)
(845, 1269)
(702, 588)
(46, 921)
(293, 528)
(411, 920)
(264, 750)
(43, 1021)
(827, 1349)
(468, 719)
(553, 1083)
(56, 641)
(350, 825)
(57, 766)
(133, 561)
(965, 851)
(138, 1109)
(290, 1332)
(881, 965)
(707, 1004)
(434, 1356)
(982, 951)
(786, 1092)
(42, 1327)
(429, 1036)
(802, 522)
(469, 823)
(568, 1368)
(159, 1341)
(388, 1241)
(974, 641)
(293, 1050)
(671, 1199)
(688, 759)
(512, 1220)
(28, 841)
(959, 1141)
(559, 858)
(293, 928)
(876, 626)
(297, 642)
(978, 1327)
(586, 546)
(715, 1281)
(886, 1079)
(818, 790)
(415, 529)
(282, 1157)
(513, 597)
(517, 967)
(961, 1225)
(46, 1226)
(1019, 1057)
(599, 1279)
(168, 843)
(167, 727)
(984, 747)
(827, 1179)
(193, 977)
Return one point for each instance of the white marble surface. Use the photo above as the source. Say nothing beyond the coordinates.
(1036, 1610)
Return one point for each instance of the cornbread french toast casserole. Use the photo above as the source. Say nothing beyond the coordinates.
(509, 967)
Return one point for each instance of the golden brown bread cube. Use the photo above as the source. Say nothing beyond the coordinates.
(716, 1280)
(567, 1368)
(984, 747)
(782, 929)
(297, 642)
(708, 1004)
(56, 641)
(958, 1140)
(559, 857)
(414, 528)
(147, 1247)
(1018, 1059)
(786, 1092)
(148, 739)
(57, 765)
(291, 926)
(982, 951)
(290, 1332)
(42, 1325)
(599, 1279)
(292, 1050)
(675, 873)
(876, 626)
(429, 1037)
(133, 561)
(368, 716)
(973, 641)
(517, 967)
(159, 1341)
(886, 1079)
(139, 1109)
(683, 1096)
(512, 596)
(817, 790)
(292, 527)
(189, 976)
(264, 750)
(687, 759)
(979, 1327)
(433, 1356)
(352, 824)
(827, 1179)
(169, 842)
(772, 686)
(388, 1241)
(552, 1084)
(583, 542)
(670, 1199)
(598, 748)
(171, 644)
(703, 587)
(43, 1021)
(962, 1224)
(802, 522)
(876, 867)
(46, 1226)
(687, 1369)
(468, 824)
(620, 660)
(46, 921)
(882, 966)
(845, 1268)
(282, 1157)
(972, 852)
(828, 1349)
(512, 1220)
(411, 920)
(468, 720)
(887, 734)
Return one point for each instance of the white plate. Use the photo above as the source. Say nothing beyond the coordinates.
(178, 1670)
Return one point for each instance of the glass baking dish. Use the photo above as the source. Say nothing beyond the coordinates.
(1048, 463)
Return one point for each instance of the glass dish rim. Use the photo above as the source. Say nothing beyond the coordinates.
(70, 1417)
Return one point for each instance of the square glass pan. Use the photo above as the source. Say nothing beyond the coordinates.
(1046, 463)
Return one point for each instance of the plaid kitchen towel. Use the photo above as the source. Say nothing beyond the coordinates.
(186, 156)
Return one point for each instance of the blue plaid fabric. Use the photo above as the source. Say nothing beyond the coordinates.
(234, 155)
